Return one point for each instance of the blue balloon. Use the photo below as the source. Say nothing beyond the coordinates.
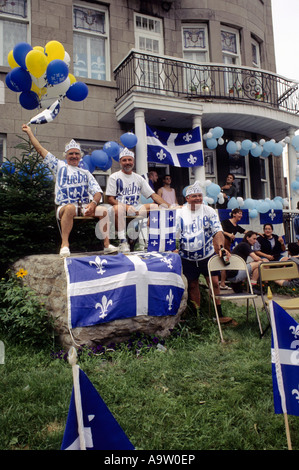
(269, 146)
(78, 91)
(111, 148)
(231, 147)
(211, 143)
(217, 132)
(246, 144)
(265, 153)
(264, 207)
(213, 190)
(249, 204)
(19, 79)
(108, 164)
(29, 100)
(87, 161)
(8, 168)
(243, 152)
(99, 158)
(295, 185)
(129, 140)
(57, 71)
(257, 151)
(232, 203)
(19, 53)
(295, 141)
(253, 214)
(277, 150)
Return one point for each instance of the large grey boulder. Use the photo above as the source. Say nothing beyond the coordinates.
(46, 275)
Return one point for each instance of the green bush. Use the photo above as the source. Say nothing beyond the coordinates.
(27, 211)
(23, 319)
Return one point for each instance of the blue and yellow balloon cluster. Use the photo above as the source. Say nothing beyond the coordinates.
(41, 75)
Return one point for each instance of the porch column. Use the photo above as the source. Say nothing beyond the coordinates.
(199, 172)
(141, 147)
(292, 164)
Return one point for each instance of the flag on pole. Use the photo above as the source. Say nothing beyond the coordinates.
(285, 361)
(175, 149)
(95, 428)
(162, 230)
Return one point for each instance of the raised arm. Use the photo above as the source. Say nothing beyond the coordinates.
(38, 147)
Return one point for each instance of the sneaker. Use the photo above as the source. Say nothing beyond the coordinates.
(110, 249)
(124, 247)
(64, 252)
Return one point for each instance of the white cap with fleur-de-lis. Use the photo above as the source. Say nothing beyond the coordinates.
(72, 145)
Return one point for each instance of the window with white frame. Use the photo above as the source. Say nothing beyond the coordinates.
(149, 40)
(2, 148)
(14, 26)
(255, 52)
(230, 44)
(91, 42)
(196, 49)
(239, 167)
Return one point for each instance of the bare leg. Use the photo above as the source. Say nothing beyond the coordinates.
(102, 213)
(67, 214)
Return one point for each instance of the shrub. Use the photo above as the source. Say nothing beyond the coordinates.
(23, 319)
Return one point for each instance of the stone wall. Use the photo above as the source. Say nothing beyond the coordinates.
(46, 275)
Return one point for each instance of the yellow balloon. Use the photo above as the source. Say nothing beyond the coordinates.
(54, 50)
(39, 48)
(72, 78)
(11, 61)
(36, 63)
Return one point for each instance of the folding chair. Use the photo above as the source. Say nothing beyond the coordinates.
(236, 263)
(275, 271)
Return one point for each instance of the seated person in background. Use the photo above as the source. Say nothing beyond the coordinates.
(229, 190)
(269, 245)
(230, 228)
(73, 187)
(293, 251)
(244, 250)
(123, 192)
(166, 192)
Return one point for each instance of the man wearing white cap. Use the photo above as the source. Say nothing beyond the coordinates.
(200, 235)
(123, 191)
(74, 186)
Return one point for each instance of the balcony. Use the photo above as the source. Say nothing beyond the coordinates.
(206, 82)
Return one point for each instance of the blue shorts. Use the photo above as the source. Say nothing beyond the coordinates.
(193, 269)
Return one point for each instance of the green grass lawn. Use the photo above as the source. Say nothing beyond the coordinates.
(198, 394)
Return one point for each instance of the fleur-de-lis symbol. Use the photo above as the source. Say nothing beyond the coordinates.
(170, 298)
(295, 391)
(192, 160)
(295, 331)
(103, 306)
(187, 137)
(98, 262)
(161, 155)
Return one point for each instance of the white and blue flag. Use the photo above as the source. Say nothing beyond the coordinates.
(99, 430)
(285, 361)
(162, 230)
(273, 216)
(48, 115)
(175, 149)
(101, 289)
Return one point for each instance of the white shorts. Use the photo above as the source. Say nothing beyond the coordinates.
(83, 207)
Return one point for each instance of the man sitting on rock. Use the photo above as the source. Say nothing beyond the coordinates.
(73, 188)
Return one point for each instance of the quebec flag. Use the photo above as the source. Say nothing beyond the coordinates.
(181, 150)
(101, 289)
(162, 230)
(273, 217)
(285, 361)
(100, 429)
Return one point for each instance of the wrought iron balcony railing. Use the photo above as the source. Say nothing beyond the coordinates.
(176, 77)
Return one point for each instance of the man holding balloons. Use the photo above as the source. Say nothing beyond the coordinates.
(73, 187)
